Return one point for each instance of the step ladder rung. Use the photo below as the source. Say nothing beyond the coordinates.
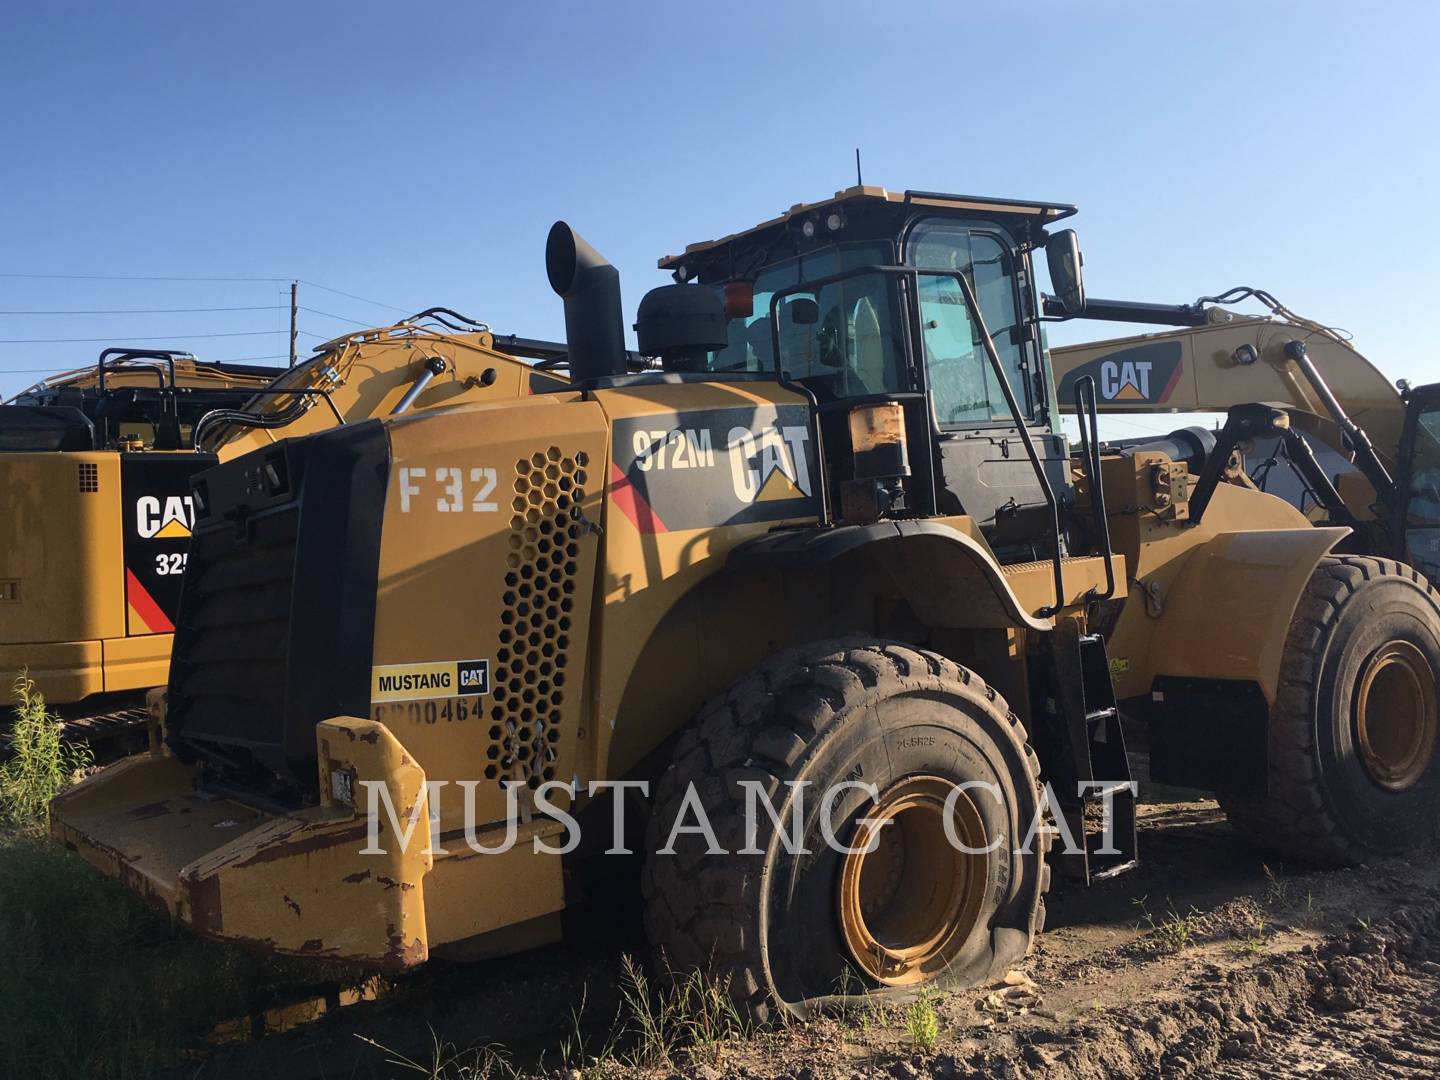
(1113, 871)
(1120, 787)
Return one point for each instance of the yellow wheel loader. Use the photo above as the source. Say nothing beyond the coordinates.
(95, 466)
(1384, 438)
(827, 583)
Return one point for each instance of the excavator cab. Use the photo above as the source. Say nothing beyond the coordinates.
(861, 301)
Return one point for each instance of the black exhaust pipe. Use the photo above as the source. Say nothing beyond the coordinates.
(590, 287)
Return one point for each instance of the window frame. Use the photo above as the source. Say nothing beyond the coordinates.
(1034, 404)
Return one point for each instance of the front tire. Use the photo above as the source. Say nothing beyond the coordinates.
(1353, 769)
(784, 929)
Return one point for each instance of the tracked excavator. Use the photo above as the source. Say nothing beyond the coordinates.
(95, 467)
(831, 552)
(1386, 435)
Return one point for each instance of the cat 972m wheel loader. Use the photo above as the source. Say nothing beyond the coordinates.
(95, 469)
(831, 558)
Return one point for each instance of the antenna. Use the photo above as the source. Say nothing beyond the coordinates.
(858, 181)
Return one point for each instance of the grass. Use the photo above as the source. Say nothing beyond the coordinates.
(41, 764)
(93, 982)
(445, 1062)
(687, 1018)
(921, 1023)
(1170, 932)
(1253, 945)
(670, 1025)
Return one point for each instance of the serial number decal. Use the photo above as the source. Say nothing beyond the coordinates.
(436, 679)
(442, 711)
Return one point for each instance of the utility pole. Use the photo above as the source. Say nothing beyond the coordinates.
(294, 318)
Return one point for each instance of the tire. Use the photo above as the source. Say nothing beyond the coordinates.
(1353, 770)
(770, 925)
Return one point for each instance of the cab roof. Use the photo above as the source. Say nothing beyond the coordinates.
(1042, 212)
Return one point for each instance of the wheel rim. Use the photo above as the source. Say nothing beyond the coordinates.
(1395, 715)
(908, 907)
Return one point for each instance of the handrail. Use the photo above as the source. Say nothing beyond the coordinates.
(1058, 565)
(1087, 412)
(119, 353)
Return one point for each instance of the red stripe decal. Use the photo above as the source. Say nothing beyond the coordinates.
(145, 606)
(1170, 386)
(632, 504)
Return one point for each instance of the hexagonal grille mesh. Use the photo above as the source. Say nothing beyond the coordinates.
(530, 665)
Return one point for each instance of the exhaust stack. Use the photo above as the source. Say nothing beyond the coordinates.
(590, 287)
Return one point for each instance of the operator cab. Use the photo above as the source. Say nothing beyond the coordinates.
(858, 301)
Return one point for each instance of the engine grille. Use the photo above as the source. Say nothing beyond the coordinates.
(231, 646)
(531, 663)
(277, 614)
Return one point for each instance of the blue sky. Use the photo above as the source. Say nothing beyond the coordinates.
(416, 154)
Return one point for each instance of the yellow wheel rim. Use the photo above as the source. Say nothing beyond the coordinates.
(908, 906)
(1395, 715)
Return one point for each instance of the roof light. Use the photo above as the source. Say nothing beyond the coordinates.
(739, 299)
(807, 230)
(834, 221)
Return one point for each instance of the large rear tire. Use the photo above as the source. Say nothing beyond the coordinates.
(1353, 769)
(783, 929)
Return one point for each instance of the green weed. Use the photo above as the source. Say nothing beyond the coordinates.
(922, 1024)
(41, 763)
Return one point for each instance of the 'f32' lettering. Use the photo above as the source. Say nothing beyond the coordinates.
(453, 488)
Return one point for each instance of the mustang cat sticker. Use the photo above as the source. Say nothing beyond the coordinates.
(437, 679)
(715, 467)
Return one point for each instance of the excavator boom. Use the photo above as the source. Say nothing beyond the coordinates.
(1232, 360)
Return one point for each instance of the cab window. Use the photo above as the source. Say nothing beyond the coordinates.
(962, 384)
(841, 340)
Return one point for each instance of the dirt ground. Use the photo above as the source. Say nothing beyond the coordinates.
(1209, 960)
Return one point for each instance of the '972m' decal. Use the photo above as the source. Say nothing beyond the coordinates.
(693, 470)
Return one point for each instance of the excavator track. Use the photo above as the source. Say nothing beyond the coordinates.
(110, 735)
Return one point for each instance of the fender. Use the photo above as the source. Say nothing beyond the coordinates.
(1228, 612)
(949, 579)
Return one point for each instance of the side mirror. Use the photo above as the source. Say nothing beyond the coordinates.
(803, 310)
(1062, 252)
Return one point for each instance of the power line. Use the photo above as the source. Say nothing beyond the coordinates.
(331, 315)
(135, 337)
(352, 296)
(151, 277)
(137, 277)
(142, 311)
(199, 359)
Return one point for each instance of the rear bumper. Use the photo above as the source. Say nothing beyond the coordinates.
(296, 884)
(309, 883)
